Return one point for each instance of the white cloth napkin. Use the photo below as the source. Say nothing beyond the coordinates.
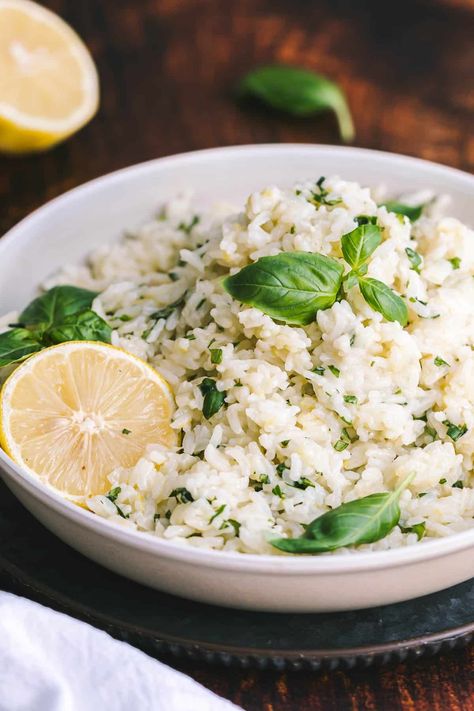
(52, 662)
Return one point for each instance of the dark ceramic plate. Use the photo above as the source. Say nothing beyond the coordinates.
(40, 566)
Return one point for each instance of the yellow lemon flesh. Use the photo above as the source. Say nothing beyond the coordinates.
(48, 81)
(74, 412)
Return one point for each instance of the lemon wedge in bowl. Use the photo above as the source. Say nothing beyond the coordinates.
(48, 81)
(72, 413)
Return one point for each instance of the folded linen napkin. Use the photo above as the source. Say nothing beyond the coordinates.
(52, 662)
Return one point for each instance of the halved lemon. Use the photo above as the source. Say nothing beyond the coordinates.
(48, 82)
(72, 413)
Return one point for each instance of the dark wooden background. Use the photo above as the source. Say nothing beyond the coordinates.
(168, 70)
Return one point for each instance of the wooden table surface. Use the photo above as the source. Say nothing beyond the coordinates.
(168, 70)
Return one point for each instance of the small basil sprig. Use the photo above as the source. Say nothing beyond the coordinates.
(357, 246)
(299, 92)
(61, 314)
(213, 398)
(413, 212)
(361, 521)
(290, 287)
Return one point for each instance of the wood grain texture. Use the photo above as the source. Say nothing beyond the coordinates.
(168, 69)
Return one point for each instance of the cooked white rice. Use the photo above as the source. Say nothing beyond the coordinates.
(281, 420)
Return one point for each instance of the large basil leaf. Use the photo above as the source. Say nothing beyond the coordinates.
(85, 326)
(290, 287)
(358, 245)
(57, 304)
(299, 92)
(413, 212)
(381, 298)
(17, 344)
(361, 521)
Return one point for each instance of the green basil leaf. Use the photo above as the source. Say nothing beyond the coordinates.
(299, 92)
(381, 298)
(290, 287)
(413, 212)
(85, 326)
(358, 245)
(418, 528)
(17, 344)
(364, 520)
(57, 304)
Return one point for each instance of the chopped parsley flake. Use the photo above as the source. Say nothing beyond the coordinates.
(216, 355)
(187, 228)
(454, 431)
(335, 371)
(439, 361)
(319, 370)
(217, 513)
(418, 528)
(455, 262)
(278, 492)
(303, 483)
(182, 495)
(126, 432)
(351, 399)
(458, 484)
(414, 259)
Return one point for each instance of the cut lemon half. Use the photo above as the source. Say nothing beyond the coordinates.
(74, 412)
(48, 81)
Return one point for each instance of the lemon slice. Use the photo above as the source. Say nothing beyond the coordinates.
(48, 81)
(72, 413)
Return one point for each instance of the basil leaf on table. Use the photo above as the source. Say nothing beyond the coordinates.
(299, 92)
(413, 212)
(381, 298)
(290, 287)
(85, 326)
(17, 344)
(57, 304)
(358, 245)
(361, 521)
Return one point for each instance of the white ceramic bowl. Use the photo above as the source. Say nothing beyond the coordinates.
(65, 229)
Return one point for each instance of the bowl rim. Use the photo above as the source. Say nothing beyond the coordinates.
(248, 562)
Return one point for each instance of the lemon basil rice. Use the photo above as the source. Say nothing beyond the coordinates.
(278, 422)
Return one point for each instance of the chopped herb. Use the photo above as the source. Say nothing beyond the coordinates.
(190, 336)
(125, 317)
(238, 384)
(366, 219)
(414, 259)
(235, 525)
(351, 342)
(319, 370)
(443, 481)
(201, 303)
(454, 431)
(320, 195)
(216, 355)
(281, 468)
(335, 371)
(439, 361)
(341, 445)
(264, 479)
(168, 310)
(126, 432)
(285, 443)
(173, 276)
(187, 228)
(278, 492)
(292, 230)
(182, 495)
(303, 483)
(218, 513)
(458, 484)
(423, 493)
(418, 528)
(414, 300)
(213, 398)
(351, 399)
(168, 515)
(455, 262)
(113, 494)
